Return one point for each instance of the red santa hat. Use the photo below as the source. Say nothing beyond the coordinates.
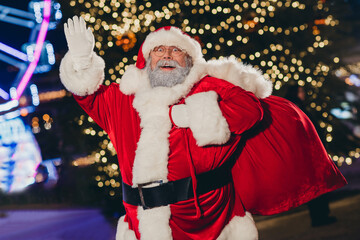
(168, 36)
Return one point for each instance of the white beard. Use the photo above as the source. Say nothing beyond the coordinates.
(171, 78)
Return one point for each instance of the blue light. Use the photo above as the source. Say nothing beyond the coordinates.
(341, 114)
(355, 80)
(10, 115)
(35, 95)
(20, 155)
(37, 6)
(30, 52)
(57, 6)
(13, 52)
(47, 57)
(37, 11)
(50, 53)
(13, 93)
(4, 94)
(33, 89)
(9, 105)
(58, 15)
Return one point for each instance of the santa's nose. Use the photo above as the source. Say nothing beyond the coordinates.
(167, 54)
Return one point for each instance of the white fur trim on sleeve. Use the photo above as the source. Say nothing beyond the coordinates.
(206, 121)
(83, 82)
(240, 228)
(123, 232)
(239, 74)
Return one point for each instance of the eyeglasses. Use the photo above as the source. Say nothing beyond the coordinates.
(174, 51)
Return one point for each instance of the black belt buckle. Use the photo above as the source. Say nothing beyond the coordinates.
(140, 187)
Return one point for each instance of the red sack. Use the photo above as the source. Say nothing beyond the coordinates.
(283, 163)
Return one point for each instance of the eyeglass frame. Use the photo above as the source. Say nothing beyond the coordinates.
(160, 54)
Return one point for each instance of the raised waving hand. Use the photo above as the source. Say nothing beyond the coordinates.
(80, 41)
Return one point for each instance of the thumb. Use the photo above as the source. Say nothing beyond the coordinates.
(89, 35)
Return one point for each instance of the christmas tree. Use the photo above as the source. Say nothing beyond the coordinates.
(290, 41)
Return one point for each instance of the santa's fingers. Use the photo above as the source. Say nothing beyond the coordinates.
(70, 26)
(66, 31)
(82, 24)
(76, 24)
(90, 35)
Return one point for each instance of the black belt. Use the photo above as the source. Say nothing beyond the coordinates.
(176, 191)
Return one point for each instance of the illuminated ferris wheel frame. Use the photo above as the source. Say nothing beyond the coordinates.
(15, 93)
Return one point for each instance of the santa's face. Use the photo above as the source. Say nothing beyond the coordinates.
(167, 53)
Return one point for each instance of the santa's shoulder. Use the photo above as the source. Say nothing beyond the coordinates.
(240, 74)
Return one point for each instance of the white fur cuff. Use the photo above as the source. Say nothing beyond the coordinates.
(123, 232)
(240, 228)
(82, 82)
(206, 120)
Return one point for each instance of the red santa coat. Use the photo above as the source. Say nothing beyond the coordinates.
(114, 112)
(150, 148)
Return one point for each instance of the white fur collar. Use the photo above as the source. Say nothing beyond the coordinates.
(152, 105)
(151, 157)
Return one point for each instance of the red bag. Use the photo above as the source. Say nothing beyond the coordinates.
(283, 163)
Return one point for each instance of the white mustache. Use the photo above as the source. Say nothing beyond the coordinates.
(166, 63)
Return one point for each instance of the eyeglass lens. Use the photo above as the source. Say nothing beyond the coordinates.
(174, 51)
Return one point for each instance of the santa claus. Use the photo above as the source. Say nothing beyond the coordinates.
(201, 145)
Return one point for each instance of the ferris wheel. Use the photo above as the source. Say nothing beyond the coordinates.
(36, 55)
(25, 53)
